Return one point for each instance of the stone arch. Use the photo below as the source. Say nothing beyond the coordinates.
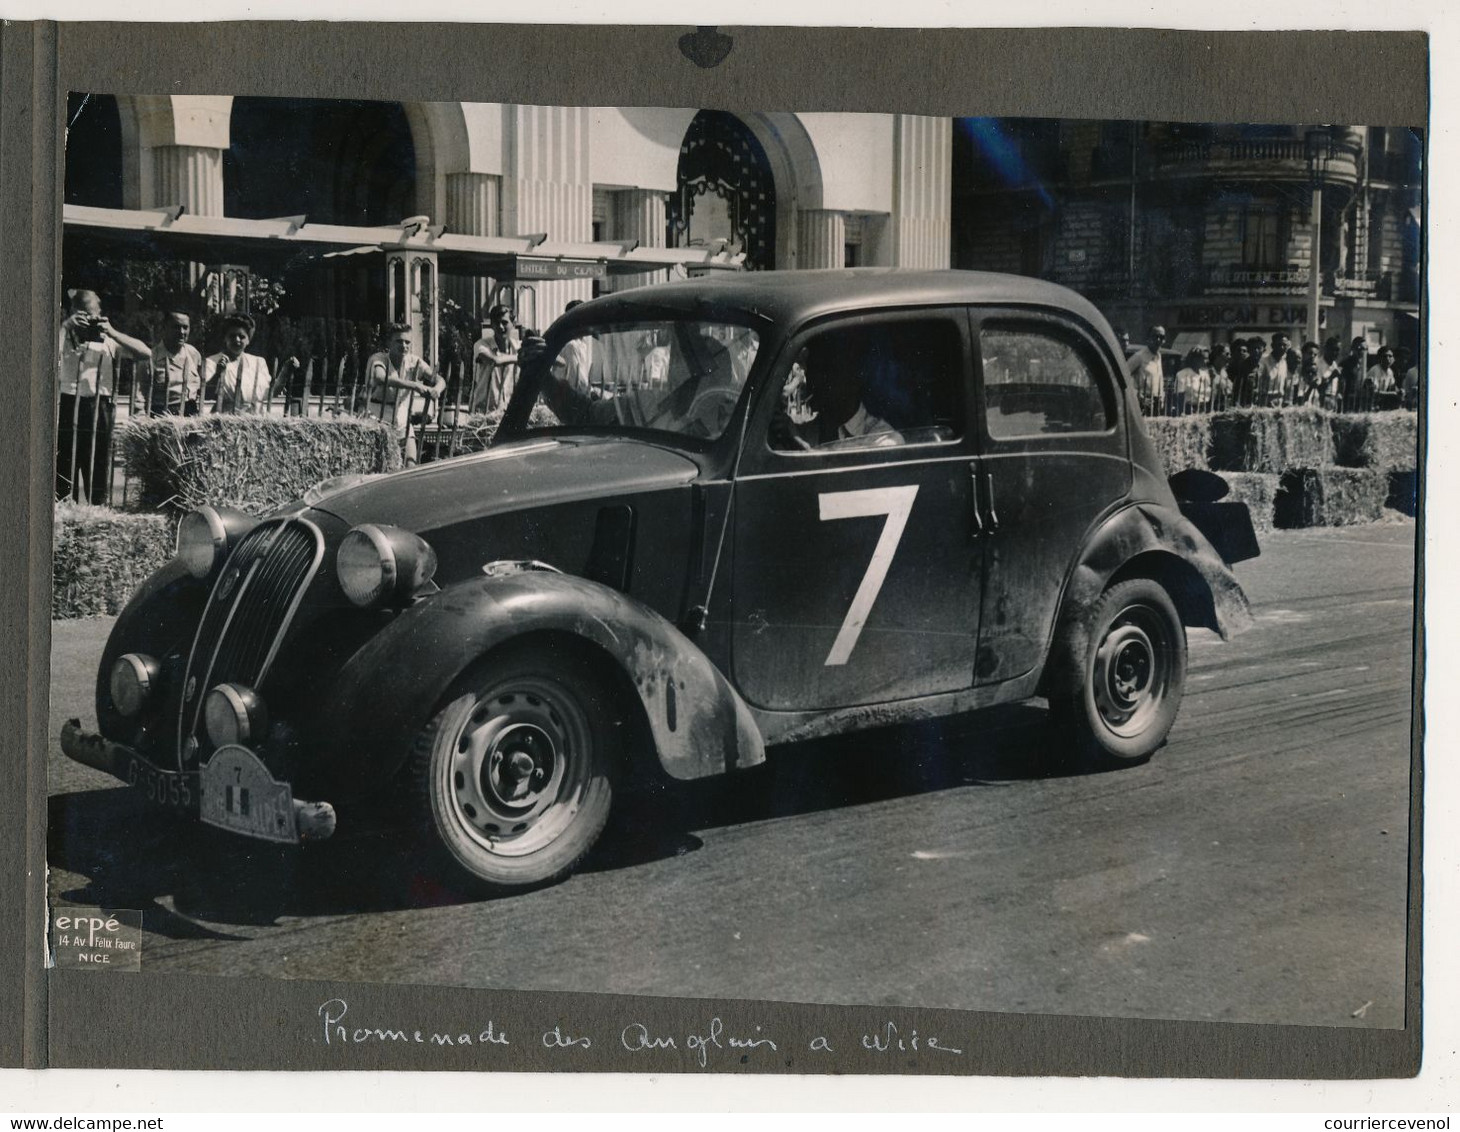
(795, 173)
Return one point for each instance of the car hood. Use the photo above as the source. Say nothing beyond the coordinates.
(525, 473)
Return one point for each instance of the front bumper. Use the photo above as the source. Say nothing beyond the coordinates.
(226, 793)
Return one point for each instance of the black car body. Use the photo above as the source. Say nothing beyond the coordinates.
(680, 549)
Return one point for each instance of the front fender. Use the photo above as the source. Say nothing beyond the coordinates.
(160, 618)
(387, 691)
(1156, 540)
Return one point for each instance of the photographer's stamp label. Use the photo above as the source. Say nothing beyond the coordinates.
(98, 939)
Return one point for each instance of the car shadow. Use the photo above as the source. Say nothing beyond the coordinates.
(194, 882)
(991, 748)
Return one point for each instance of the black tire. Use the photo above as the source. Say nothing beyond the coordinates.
(1131, 677)
(513, 777)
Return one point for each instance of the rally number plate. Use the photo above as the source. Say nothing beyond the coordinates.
(239, 794)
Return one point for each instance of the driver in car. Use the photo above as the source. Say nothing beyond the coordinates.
(829, 387)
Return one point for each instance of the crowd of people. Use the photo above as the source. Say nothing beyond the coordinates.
(174, 378)
(1271, 373)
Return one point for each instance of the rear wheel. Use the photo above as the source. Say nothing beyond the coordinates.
(514, 775)
(1131, 676)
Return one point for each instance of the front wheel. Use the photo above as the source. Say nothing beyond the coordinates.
(514, 775)
(1131, 676)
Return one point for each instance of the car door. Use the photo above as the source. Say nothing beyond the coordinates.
(856, 570)
(1053, 462)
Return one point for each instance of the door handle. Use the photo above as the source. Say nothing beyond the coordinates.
(993, 516)
(975, 475)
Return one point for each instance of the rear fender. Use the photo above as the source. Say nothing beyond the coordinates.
(389, 689)
(1146, 539)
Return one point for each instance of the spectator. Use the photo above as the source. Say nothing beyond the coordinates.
(1332, 375)
(402, 386)
(1122, 336)
(1144, 368)
(1381, 382)
(86, 379)
(1411, 385)
(176, 383)
(494, 360)
(1221, 362)
(239, 380)
(1194, 383)
(1307, 383)
(1241, 370)
(1275, 372)
(1351, 374)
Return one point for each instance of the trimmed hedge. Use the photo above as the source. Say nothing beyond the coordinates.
(1330, 497)
(1271, 440)
(1256, 489)
(254, 463)
(100, 556)
(1376, 440)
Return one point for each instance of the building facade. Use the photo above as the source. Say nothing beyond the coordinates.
(1207, 230)
(783, 190)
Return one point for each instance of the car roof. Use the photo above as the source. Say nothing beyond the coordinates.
(788, 297)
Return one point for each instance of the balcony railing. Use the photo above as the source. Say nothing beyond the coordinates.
(1291, 158)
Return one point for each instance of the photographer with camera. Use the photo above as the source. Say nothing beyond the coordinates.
(86, 379)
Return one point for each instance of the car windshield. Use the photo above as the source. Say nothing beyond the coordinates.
(682, 376)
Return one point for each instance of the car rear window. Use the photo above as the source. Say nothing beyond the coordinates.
(1036, 383)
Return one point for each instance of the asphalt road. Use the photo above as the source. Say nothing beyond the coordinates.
(1254, 871)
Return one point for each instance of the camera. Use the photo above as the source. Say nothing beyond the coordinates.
(88, 327)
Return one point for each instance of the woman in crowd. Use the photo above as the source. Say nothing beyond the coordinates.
(239, 380)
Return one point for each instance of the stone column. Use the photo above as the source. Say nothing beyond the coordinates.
(189, 175)
(821, 238)
(546, 187)
(473, 208)
(638, 214)
(920, 228)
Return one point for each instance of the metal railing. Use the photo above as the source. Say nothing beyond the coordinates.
(1204, 394)
(89, 463)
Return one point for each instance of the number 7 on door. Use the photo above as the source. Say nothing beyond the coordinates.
(894, 502)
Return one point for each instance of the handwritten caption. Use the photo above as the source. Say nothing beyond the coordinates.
(702, 1046)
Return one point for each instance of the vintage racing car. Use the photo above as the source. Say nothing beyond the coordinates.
(718, 514)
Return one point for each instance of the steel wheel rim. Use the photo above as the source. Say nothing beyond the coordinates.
(519, 767)
(1132, 675)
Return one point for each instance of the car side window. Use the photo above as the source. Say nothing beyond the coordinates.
(872, 384)
(1037, 382)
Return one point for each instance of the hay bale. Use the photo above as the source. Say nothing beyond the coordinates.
(255, 463)
(1403, 492)
(1271, 440)
(1182, 442)
(100, 556)
(1256, 489)
(1376, 440)
(1330, 497)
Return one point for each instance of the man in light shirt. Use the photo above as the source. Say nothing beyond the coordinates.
(1275, 372)
(176, 383)
(86, 378)
(1144, 367)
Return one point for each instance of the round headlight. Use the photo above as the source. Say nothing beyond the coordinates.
(366, 565)
(376, 564)
(202, 541)
(233, 714)
(133, 678)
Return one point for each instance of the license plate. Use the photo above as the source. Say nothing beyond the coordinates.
(239, 794)
(165, 788)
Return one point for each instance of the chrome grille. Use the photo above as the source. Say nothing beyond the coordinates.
(248, 612)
